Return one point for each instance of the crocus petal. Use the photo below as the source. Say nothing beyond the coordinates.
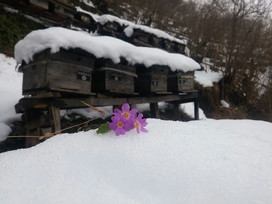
(133, 112)
(117, 111)
(115, 119)
(119, 131)
(125, 107)
(143, 129)
(128, 125)
(113, 126)
(140, 116)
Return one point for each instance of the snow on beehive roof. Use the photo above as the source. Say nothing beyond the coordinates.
(100, 46)
(131, 26)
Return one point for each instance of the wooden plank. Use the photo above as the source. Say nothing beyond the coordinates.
(196, 110)
(54, 113)
(75, 103)
(47, 95)
(68, 103)
(32, 119)
(177, 115)
(29, 103)
(154, 110)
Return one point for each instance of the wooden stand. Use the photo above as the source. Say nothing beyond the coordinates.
(53, 102)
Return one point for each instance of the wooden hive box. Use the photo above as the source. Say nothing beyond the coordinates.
(113, 78)
(141, 38)
(113, 29)
(179, 81)
(64, 71)
(180, 48)
(157, 42)
(152, 79)
(169, 46)
(85, 20)
(40, 3)
(61, 7)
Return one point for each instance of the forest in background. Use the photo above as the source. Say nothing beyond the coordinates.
(234, 36)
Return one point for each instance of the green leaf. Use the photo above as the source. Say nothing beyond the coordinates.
(103, 128)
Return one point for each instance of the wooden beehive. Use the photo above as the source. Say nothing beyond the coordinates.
(85, 20)
(113, 78)
(152, 79)
(64, 71)
(141, 38)
(112, 29)
(180, 48)
(179, 81)
(157, 42)
(169, 46)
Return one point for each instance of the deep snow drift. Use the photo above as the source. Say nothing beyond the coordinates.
(208, 161)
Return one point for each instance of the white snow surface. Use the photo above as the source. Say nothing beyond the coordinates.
(207, 77)
(10, 89)
(94, 16)
(205, 161)
(88, 2)
(131, 26)
(100, 46)
(224, 104)
(5, 130)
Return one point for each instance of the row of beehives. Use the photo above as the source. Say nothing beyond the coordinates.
(141, 37)
(76, 71)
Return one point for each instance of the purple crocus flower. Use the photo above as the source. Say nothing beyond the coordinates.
(126, 112)
(140, 123)
(119, 124)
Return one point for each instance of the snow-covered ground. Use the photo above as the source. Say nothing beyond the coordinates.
(205, 161)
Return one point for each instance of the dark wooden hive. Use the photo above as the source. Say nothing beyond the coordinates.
(112, 78)
(152, 79)
(141, 38)
(179, 81)
(64, 71)
(112, 29)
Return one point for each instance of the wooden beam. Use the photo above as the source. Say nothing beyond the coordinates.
(70, 103)
(54, 112)
(176, 110)
(154, 110)
(196, 107)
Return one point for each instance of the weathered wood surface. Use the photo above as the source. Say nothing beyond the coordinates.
(115, 78)
(152, 79)
(56, 76)
(180, 81)
(112, 29)
(74, 56)
(66, 70)
(54, 113)
(69, 103)
(53, 106)
(154, 110)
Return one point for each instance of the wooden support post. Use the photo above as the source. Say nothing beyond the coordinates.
(54, 113)
(176, 110)
(196, 110)
(154, 110)
(32, 121)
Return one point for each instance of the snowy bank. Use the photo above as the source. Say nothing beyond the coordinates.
(206, 161)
